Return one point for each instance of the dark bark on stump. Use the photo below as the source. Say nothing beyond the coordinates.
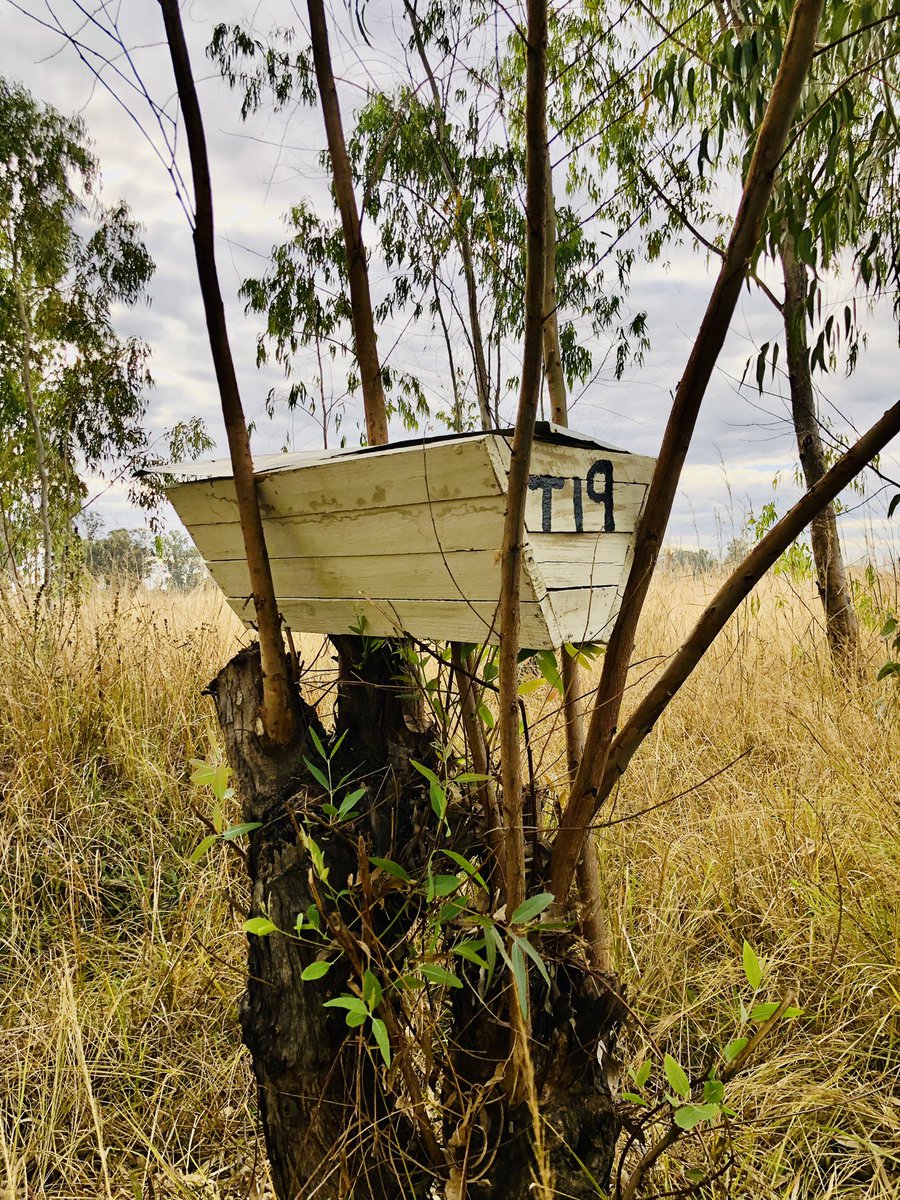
(332, 1130)
(307, 1068)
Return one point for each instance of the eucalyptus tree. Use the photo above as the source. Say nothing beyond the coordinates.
(423, 1016)
(72, 392)
(830, 205)
(707, 76)
(439, 166)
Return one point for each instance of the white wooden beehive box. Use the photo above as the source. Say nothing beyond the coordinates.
(406, 537)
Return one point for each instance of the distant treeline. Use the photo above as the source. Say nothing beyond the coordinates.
(128, 557)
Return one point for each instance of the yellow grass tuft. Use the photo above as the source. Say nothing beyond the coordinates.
(121, 1069)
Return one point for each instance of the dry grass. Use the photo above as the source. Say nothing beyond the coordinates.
(121, 1072)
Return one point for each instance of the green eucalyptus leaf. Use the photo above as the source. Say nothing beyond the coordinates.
(643, 1073)
(352, 1004)
(315, 970)
(762, 1012)
(380, 1033)
(237, 831)
(520, 974)
(391, 868)
(534, 956)
(442, 885)
(690, 1115)
(435, 973)
(752, 968)
(201, 849)
(470, 951)
(321, 779)
(260, 926)
(531, 908)
(733, 1049)
(372, 990)
(678, 1080)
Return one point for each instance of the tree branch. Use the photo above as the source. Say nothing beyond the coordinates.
(278, 714)
(357, 269)
(520, 457)
(736, 589)
(742, 244)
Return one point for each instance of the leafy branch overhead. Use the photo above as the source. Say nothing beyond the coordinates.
(440, 195)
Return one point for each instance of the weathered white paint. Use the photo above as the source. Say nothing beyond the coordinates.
(408, 537)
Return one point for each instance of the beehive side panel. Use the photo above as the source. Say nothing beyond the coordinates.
(584, 490)
(448, 525)
(573, 460)
(567, 506)
(443, 620)
(441, 471)
(586, 613)
(459, 575)
(204, 501)
(571, 560)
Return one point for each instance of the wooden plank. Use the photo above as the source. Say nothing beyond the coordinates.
(585, 614)
(588, 549)
(441, 471)
(556, 458)
(448, 525)
(550, 459)
(462, 575)
(443, 620)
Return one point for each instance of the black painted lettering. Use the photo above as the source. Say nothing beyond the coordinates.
(548, 484)
(603, 467)
(577, 510)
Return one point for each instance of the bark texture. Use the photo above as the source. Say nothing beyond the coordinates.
(556, 383)
(841, 623)
(336, 1125)
(40, 449)
(326, 1121)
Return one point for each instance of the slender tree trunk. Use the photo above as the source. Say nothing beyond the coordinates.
(357, 269)
(520, 456)
(40, 449)
(556, 383)
(458, 410)
(841, 624)
(590, 898)
(482, 380)
(277, 712)
(476, 741)
(745, 234)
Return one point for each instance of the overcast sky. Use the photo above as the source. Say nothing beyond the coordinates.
(260, 168)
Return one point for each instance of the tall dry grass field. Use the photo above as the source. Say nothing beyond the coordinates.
(764, 807)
